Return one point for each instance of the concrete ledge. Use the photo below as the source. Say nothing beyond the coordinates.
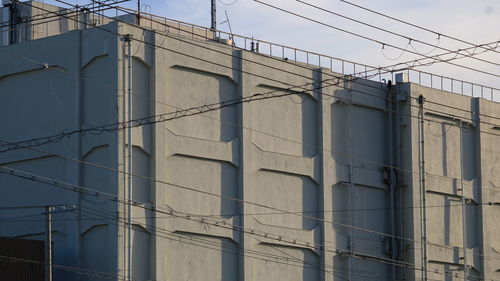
(296, 165)
(201, 148)
(194, 226)
(452, 255)
(288, 235)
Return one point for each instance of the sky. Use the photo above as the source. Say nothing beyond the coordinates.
(474, 21)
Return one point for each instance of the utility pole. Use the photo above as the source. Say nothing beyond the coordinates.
(48, 243)
(214, 17)
(139, 12)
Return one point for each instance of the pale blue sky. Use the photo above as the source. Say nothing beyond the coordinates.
(476, 21)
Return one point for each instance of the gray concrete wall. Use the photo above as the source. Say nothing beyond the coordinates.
(40, 101)
(323, 154)
(459, 143)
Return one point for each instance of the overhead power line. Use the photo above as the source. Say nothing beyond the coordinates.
(56, 136)
(419, 27)
(410, 64)
(411, 39)
(45, 65)
(221, 52)
(375, 40)
(114, 198)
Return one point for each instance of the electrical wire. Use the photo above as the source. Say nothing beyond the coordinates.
(228, 4)
(393, 67)
(102, 195)
(35, 140)
(225, 215)
(45, 65)
(373, 40)
(392, 33)
(439, 34)
(115, 198)
(77, 270)
(236, 250)
(437, 111)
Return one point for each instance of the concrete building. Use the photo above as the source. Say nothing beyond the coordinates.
(322, 177)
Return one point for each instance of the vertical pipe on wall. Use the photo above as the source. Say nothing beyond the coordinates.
(391, 179)
(464, 211)
(423, 192)
(351, 187)
(123, 160)
(129, 169)
(399, 168)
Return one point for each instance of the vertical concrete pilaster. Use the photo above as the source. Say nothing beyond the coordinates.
(327, 169)
(247, 167)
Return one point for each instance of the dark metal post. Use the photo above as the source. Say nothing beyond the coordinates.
(139, 12)
(48, 243)
(214, 16)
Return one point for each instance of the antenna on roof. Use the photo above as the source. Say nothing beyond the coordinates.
(229, 25)
(214, 16)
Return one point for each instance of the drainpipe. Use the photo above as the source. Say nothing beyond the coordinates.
(464, 213)
(129, 147)
(351, 187)
(423, 191)
(399, 168)
(391, 179)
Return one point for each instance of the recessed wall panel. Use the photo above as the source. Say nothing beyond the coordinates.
(215, 177)
(188, 88)
(197, 257)
(288, 192)
(291, 121)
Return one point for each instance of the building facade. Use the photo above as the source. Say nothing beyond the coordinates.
(301, 173)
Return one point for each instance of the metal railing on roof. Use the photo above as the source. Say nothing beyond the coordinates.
(338, 65)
